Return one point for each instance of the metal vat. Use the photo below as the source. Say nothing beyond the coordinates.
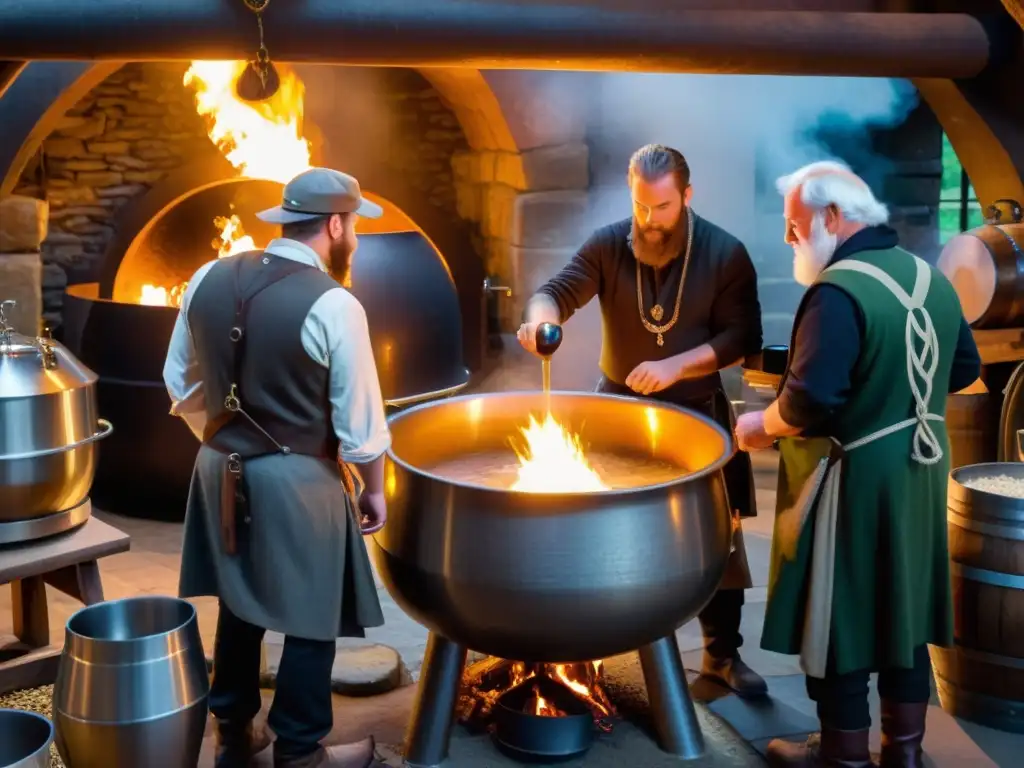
(132, 686)
(553, 577)
(48, 430)
(25, 739)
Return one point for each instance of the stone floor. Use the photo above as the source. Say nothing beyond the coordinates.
(735, 730)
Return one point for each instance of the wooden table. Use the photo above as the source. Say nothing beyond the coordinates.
(67, 562)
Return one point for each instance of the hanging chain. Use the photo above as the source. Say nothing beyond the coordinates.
(262, 63)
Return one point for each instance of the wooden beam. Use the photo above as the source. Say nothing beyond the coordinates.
(638, 36)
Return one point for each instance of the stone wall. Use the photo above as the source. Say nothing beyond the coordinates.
(126, 135)
(23, 223)
(531, 206)
(383, 122)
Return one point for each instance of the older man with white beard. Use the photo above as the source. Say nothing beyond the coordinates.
(859, 578)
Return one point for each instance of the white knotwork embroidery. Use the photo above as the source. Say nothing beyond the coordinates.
(922, 360)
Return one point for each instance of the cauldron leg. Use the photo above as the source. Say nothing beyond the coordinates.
(675, 719)
(426, 740)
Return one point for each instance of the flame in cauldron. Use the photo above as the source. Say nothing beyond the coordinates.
(552, 461)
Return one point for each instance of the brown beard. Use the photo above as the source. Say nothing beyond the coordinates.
(340, 266)
(660, 253)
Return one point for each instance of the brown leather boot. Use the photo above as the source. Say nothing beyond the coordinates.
(834, 749)
(361, 754)
(902, 734)
(237, 745)
(734, 674)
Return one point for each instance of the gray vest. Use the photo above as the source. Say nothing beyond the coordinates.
(280, 387)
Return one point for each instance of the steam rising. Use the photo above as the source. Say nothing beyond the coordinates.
(738, 133)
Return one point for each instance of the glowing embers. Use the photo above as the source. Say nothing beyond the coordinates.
(537, 710)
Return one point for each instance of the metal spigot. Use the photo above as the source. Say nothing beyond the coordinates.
(489, 287)
(49, 354)
(6, 329)
(549, 339)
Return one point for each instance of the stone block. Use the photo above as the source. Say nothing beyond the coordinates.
(549, 219)
(64, 148)
(21, 279)
(23, 223)
(468, 200)
(108, 147)
(100, 178)
(566, 166)
(72, 195)
(359, 669)
(497, 211)
(82, 127)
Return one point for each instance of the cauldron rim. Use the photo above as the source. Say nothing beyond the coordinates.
(39, 719)
(561, 498)
(192, 616)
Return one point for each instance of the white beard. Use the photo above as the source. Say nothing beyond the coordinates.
(809, 259)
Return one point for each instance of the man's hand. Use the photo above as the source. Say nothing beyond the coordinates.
(653, 376)
(373, 512)
(527, 336)
(750, 432)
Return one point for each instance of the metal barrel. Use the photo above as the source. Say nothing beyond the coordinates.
(132, 687)
(981, 678)
(25, 739)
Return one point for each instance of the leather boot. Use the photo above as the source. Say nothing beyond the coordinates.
(902, 734)
(734, 674)
(834, 749)
(237, 745)
(361, 754)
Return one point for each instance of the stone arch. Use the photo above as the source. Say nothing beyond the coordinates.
(1016, 9)
(34, 104)
(50, 89)
(983, 156)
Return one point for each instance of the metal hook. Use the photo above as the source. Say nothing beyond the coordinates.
(5, 326)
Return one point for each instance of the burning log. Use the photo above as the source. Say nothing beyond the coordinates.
(625, 35)
(491, 680)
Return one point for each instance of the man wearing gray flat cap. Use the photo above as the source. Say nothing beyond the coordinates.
(270, 365)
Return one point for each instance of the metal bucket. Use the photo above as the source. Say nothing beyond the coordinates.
(25, 739)
(132, 686)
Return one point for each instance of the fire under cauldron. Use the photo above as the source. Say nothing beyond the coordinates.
(399, 277)
(553, 577)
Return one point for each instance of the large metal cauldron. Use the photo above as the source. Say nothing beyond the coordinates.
(25, 739)
(48, 431)
(553, 577)
(132, 686)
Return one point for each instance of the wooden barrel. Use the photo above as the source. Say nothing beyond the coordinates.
(972, 423)
(986, 267)
(981, 678)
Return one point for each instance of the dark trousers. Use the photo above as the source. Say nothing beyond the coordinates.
(843, 699)
(302, 713)
(720, 623)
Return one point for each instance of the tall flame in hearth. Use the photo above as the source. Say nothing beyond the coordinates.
(262, 140)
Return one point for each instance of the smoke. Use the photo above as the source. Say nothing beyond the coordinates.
(738, 134)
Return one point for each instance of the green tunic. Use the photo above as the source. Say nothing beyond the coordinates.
(891, 569)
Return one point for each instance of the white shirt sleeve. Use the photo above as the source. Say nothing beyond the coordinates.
(336, 335)
(181, 368)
